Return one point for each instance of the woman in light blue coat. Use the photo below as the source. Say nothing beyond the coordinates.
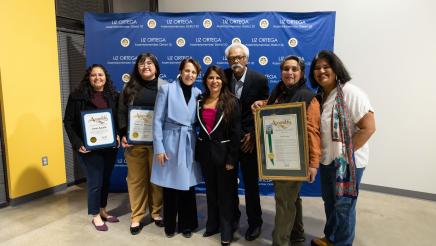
(174, 167)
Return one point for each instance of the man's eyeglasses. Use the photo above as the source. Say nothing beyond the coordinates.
(236, 58)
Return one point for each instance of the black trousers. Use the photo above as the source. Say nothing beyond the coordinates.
(250, 175)
(220, 191)
(98, 166)
(180, 208)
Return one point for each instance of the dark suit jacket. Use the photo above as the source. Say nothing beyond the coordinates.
(221, 145)
(255, 88)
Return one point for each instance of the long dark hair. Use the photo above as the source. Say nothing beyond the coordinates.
(226, 101)
(132, 87)
(281, 86)
(86, 88)
(342, 75)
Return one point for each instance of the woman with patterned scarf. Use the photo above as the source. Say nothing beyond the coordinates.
(347, 123)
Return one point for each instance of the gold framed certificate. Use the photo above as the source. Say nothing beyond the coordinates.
(98, 129)
(281, 139)
(140, 125)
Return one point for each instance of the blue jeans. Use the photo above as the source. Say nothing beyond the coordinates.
(98, 166)
(340, 211)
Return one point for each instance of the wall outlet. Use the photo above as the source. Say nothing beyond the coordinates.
(44, 160)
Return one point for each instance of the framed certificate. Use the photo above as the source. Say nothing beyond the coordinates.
(281, 139)
(98, 129)
(140, 125)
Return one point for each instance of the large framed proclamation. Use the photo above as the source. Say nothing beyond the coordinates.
(281, 139)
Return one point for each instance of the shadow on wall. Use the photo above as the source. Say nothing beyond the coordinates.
(25, 164)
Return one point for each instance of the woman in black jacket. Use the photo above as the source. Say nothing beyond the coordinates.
(217, 151)
(141, 91)
(95, 91)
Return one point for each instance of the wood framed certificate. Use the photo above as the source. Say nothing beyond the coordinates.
(98, 129)
(281, 139)
(140, 125)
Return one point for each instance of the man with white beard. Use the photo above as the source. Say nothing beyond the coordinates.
(248, 86)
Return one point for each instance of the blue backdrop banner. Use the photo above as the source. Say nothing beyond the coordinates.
(115, 40)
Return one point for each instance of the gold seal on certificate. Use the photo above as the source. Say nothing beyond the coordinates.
(140, 125)
(98, 130)
(281, 139)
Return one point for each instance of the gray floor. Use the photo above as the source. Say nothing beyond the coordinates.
(61, 219)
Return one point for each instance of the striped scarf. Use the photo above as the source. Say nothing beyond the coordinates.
(344, 161)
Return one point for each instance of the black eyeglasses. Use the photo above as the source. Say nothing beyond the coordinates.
(236, 58)
(145, 63)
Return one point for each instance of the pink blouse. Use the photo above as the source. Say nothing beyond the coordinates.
(209, 118)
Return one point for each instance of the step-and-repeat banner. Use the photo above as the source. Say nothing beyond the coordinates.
(115, 40)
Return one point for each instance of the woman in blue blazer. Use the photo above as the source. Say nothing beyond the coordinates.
(174, 167)
(217, 151)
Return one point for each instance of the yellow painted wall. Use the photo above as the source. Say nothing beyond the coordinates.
(30, 96)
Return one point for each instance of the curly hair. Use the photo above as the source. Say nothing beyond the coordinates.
(237, 45)
(85, 87)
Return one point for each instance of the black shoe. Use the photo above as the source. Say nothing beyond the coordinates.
(187, 233)
(226, 242)
(169, 235)
(252, 233)
(209, 233)
(298, 239)
(158, 223)
(136, 229)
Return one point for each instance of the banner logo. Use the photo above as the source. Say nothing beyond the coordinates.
(263, 60)
(180, 42)
(264, 23)
(125, 77)
(293, 42)
(163, 76)
(207, 23)
(151, 23)
(207, 60)
(125, 42)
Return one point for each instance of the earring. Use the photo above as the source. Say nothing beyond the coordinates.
(337, 80)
